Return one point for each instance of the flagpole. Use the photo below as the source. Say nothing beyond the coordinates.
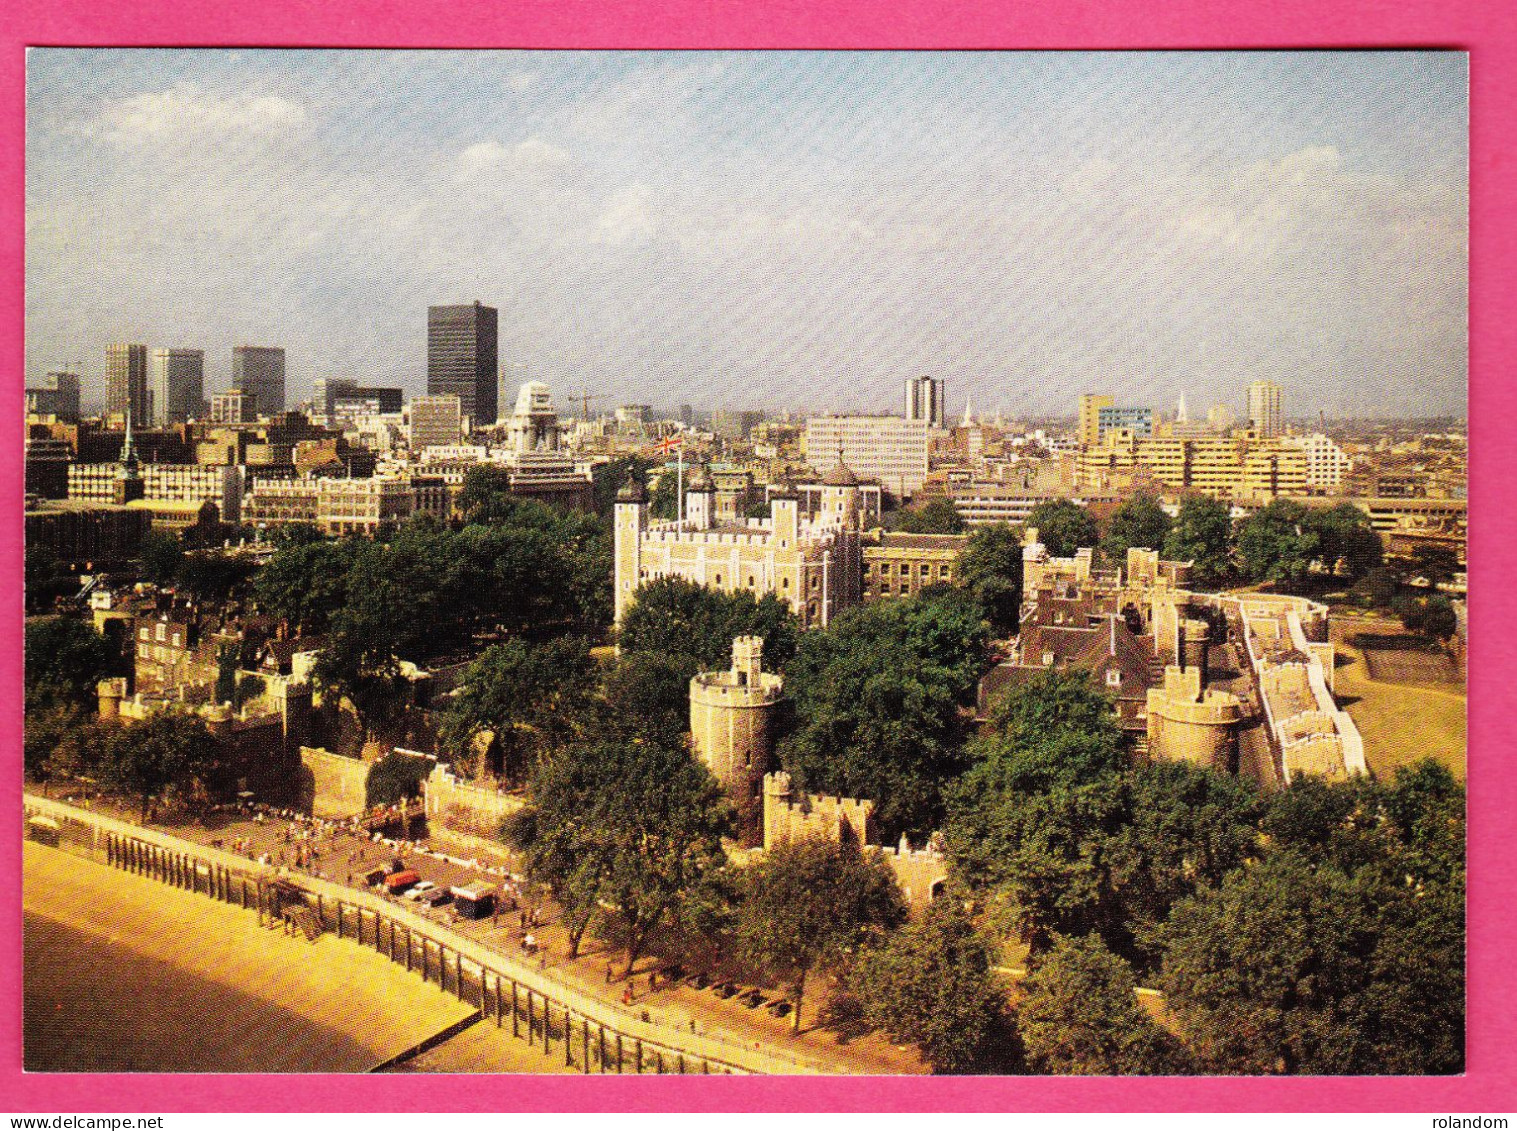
(681, 485)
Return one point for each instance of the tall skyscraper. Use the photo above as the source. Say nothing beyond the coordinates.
(58, 396)
(1264, 409)
(259, 370)
(177, 380)
(126, 389)
(924, 400)
(461, 358)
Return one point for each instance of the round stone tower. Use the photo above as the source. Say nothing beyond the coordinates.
(732, 720)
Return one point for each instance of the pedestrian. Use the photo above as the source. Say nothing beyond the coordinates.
(627, 995)
(608, 973)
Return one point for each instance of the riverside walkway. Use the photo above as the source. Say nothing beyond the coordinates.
(590, 1030)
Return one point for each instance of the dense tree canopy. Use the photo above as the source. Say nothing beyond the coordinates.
(530, 697)
(1140, 522)
(936, 517)
(628, 831)
(1079, 1016)
(65, 659)
(395, 778)
(990, 568)
(1202, 534)
(1278, 543)
(1343, 949)
(878, 698)
(1063, 527)
(674, 617)
(1053, 828)
(931, 984)
(167, 751)
(809, 902)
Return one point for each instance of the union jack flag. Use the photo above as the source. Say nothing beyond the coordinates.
(669, 443)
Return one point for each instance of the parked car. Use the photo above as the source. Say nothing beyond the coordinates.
(397, 882)
(419, 889)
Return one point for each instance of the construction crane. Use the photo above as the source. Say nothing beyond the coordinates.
(583, 397)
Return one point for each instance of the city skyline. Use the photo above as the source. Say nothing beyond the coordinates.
(768, 230)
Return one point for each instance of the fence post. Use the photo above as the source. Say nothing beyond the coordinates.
(584, 1041)
(458, 978)
(568, 1043)
(619, 1058)
(514, 1031)
(408, 948)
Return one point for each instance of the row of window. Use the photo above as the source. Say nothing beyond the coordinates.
(923, 570)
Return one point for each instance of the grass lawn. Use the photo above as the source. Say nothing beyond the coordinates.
(1401, 722)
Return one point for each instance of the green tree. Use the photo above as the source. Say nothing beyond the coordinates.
(1079, 1016)
(65, 659)
(1202, 533)
(939, 516)
(608, 478)
(60, 741)
(161, 555)
(663, 499)
(211, 576)
(1377, 589)
(1433, 616)
(146, 759)
(990, 568)
(530, 696)
(1053, 829)
(306, 582)
(674, 617)
(809, 902)
(395, 778)
(646, 697)
(1140, 522)
(931, 984)
(1345, 538)
(632, 828)
(878, 700)
(1278, 543)
(1261, 972)
(1436, 563)
(1063, 527)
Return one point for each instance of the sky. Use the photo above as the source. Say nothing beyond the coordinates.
(768, 230)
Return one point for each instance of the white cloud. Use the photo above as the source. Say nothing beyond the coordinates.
(183, 112)
(628, 217)
(491, 157)
(522, 80)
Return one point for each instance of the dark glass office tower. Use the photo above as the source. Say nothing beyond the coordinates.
(461, 357)
(259, 370)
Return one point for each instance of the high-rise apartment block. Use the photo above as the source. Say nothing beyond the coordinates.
(176, 378)
(259, 370)
(1264, 411)
(924, 400)
(885, 448)
(340, 397)
(126, 387)
(1089, 428)
(436, 421)
(462, 359)
(57, 396)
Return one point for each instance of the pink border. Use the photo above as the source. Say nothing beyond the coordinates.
(1483, 27)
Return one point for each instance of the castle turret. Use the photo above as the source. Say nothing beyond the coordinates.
(700, 502)
(631, 522)
(111, 692)
(732, 721)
